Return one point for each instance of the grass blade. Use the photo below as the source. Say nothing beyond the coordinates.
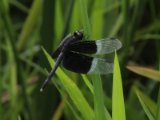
(98, 98)
(30, 24)
(97, 19)
(13, 81)
(146, 72)
(118, 108)
(73, 91)
(85, 19)
(58, 23)
(146, 104)
(88, 84)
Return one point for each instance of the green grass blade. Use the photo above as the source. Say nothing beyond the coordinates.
(75, 23)
(98, 102)
(117, 25)
(148, 102)
(88, 84)
(4, 11)
(148, 36)
(73, 91)
(107, 114)
(69, 107)
(118, 108)
(19, 5)
(30, 23)
(59, 23)
(12, 37)
(98, 98)
(12, 81)
(144, 103)
(68, 17)
(85, 18)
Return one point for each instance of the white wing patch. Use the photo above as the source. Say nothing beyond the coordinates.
(100, 66)
(107, 45)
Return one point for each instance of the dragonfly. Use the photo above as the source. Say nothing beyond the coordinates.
(76, 55)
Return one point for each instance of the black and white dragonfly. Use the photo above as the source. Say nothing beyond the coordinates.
(74, 53)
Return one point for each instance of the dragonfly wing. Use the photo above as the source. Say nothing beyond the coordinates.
(86, 65)
(98, 47)
(100, 66)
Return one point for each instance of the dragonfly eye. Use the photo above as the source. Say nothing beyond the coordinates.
(78, 35)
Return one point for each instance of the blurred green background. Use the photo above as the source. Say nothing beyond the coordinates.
(28, 25)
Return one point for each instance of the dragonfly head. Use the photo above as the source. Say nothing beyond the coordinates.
(78, 35)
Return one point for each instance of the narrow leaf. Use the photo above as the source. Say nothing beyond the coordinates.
(146, 72)
(30, 23)
(98, 98)
(88, 84)
(73, 91)
(118, 108)
(145, 107)
(85, 18)
(148, 102)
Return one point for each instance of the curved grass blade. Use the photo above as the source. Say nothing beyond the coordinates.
(73, 91)
(144, 103)
(88, 84)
